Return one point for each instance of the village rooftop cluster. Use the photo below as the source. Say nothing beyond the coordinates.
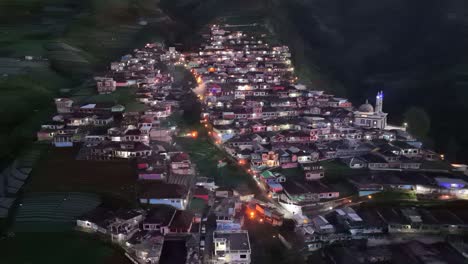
(166, 176)
(279, 131)
(256, 111)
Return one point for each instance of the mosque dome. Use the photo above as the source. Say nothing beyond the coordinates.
(368, 108)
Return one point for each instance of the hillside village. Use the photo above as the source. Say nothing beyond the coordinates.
(283, 134)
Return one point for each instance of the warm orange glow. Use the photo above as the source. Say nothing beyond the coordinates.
(194, 134)
(206, 125)
(369, 196)
(199, 80)
(252, 215)
(241, 162)
(211, 69)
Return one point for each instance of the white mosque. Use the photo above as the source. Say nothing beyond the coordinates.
(367, 116)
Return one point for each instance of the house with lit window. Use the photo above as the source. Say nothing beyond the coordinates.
(406, 149)
(125, 150)
(125, 224)
(231, 246)
(180, 164)
(313, 171)
(268, 159)
(105, 85)
(297, 196)
(96, 220)
(155, 193)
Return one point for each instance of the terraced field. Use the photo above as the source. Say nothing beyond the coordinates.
(14, 176)
(52, 211)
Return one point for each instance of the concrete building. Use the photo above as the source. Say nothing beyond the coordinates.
(231, 247)
(368, 117)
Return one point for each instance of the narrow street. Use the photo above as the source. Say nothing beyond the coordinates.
(206, 155)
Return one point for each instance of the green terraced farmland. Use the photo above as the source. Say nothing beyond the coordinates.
(40, 212)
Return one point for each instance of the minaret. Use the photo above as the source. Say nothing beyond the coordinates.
(379, 102)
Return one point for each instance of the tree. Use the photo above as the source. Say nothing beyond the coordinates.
(452, 149)
(192, 108)
(418, 122)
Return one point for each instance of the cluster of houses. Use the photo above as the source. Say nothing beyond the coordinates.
(141, 233)
(165, 176)
(426, 185)
(110, 130)
(257, 112)
(356, 223)
(231, 244)
(414, 251)
(139, 69)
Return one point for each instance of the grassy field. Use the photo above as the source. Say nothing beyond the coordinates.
(202, 152)
(197, 206)
(63, 247)
(59, 171)
(336, 176)
(206, 156)
(52, 212)
(394, 196)
(335, 170)
(25, 101)
(266, 247)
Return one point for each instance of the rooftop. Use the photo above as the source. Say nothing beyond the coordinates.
(159, 190)
(236, 240)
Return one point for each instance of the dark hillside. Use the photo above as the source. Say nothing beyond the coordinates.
(414, 50)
